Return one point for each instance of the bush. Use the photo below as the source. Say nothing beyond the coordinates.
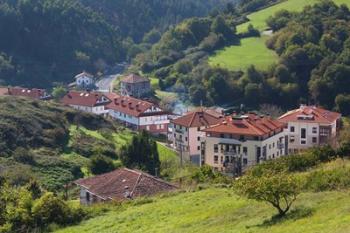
(23, 155)
(51, 209)
(100, 164)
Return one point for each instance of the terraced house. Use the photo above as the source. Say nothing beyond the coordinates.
(187, 132)
(242, 141)
(310, 126)
(139, 114)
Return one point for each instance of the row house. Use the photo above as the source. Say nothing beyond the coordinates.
(139, 114)
(92, 102)
(33, 93)
(310, 126)
(187, 132)
(242, 141)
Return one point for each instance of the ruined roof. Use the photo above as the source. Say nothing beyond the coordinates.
(310, 114)
(199, 118)
(123, 184)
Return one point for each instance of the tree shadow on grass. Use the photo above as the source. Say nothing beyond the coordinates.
(296, 214)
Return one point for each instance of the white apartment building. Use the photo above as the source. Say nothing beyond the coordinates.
(310, 126)
(240, 142)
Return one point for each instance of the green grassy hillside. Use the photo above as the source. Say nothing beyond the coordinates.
(253, 51)
(250, 51)
(258, 19)
(218, 210)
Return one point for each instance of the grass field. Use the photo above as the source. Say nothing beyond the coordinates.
(251, 51)
(219, 210)
(258, 19)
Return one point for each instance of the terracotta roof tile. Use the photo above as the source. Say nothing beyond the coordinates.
(27, 92)
(116, 184)
(3, 91)
(249, 125)
(310, 114)
(133, 78)
(198, 118)
(88, 99)
(132, 106)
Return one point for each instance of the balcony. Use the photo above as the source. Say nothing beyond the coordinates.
(230, 153)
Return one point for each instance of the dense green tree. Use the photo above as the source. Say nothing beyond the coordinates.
(141, 153)
(342, 103)
(100, 164)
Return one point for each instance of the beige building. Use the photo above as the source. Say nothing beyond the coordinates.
(310, 126)
(187, 132)
(240, 142)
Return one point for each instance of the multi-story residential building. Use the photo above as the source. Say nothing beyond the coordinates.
(310, 126)
(92, 102)
(239, 142)
(139, 114)
(187, 132)
(85, 80)
(134, 85)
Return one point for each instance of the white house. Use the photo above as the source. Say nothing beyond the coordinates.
(187, 132)
(138, 114)
(310, 126)
(240, 142)
(92, 102)
(84, 80)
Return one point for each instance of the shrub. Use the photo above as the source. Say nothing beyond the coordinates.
(23, 155)
(100, 164)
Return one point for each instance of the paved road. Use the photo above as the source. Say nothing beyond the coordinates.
(105, 84)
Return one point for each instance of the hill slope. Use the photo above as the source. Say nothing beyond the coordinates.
(218, 210)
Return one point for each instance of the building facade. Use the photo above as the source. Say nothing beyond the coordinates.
(187, 132)
(85, 80)
(240, 142)
(139, 114)
(92, 102)
(134, 85)
(310, 126)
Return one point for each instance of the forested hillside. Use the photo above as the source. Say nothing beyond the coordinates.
(310, 49)
(48, 41)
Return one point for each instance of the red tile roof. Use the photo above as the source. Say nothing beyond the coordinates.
(310, 114)
(132, 106)
(198, 118)
(133, 78)
(27, 92)
(88, 99)
(115, 185)
(249, 125)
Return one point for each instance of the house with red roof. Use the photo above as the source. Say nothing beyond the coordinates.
(242, 141)
(310, 126)
(187, 132)
(33, 93)
(93, 102)
(135, 85)
(121, 185)
(138, 114)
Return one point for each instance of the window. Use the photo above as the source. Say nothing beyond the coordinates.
(273, 145)
(216, 159)
(303, 133)
(87, 196)
(292, 129)
(241, 138)
(314, 139)
(314, 130)
(199, 128)
(245, 161)
(185, 139)
(292, 139)
(245, 150)
(198, 138)
(222, 135)
(216, 148)
(198, 148)
(303, 142)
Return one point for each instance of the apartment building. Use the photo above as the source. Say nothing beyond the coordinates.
(310, 126)
(187, 132)
(243, 141)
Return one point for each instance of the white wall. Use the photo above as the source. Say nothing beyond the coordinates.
(124, 117)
